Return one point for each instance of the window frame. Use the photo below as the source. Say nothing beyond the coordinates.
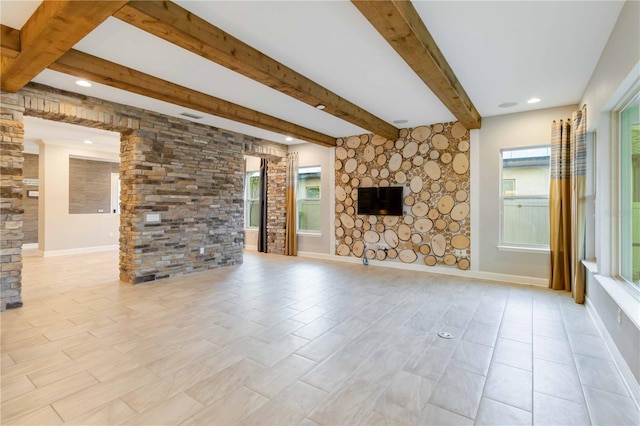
(299, 199)
(510, 246)
(619, 217)
(247, 209)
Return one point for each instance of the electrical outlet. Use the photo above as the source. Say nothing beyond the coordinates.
(460, 253)
(201, 250)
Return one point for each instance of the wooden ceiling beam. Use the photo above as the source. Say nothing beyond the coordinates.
(10, 46)
(176, 25)
(53, 29)
(82, 65)
(400, 24)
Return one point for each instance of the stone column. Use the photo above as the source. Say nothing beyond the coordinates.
(11, 211)
(276, 205)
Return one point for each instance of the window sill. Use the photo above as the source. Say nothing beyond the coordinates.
(310, 233)
(524, 249)
(623, 295)
(591, 266)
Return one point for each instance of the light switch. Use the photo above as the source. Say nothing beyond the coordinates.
(151, 218)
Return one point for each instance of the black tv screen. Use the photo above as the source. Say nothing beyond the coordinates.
(380, 201)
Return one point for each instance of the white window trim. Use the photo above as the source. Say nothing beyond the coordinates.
(608, 195)
(524, 248)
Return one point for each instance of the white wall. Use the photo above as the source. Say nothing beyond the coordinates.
(314, 155)
(506, 131)
(58, 231)
(616, 76)
(620, 55)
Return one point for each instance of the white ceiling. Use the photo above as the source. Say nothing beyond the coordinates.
(38, 130)
(500, 52)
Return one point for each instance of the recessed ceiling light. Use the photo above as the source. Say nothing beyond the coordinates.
(400, 121)
(83, 83)
(320, 106)
(288, 139)
(88, 142)
(507, 104)
(533, 101)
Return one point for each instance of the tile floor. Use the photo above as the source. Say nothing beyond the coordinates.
(284, 341)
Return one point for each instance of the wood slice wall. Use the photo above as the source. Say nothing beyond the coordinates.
(432, 164)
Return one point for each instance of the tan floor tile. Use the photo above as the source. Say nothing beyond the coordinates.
(349, 405)
(101, 393)
(186, 355)
(44, 416)
(36, 399)
(270, 382)
(172, 411)
(146, 397)
(289, 407)
(230, 409)
(322, 347)
(32, 352)
(406, 396)
(223, 383)
(22, 369)
(15, 344)
(272, 353)
(112, 413)
(220, 343)
(333, 371)
(14, 387)
(59, 371)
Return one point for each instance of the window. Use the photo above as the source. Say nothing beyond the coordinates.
(309, 199)
(630, 192)
(524, 198)
(252, 200)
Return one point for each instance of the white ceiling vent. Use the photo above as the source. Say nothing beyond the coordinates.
(194, 116)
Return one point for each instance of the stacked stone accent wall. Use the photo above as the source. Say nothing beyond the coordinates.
(90, 186)
(30, 204)
(11, 211)
(431, 163)
(261, 148)
(191, 174)
(276, 205)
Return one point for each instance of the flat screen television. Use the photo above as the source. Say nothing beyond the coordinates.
(380, 201)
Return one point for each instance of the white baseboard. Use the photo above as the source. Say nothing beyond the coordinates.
(97, 249)
(629, 379)
(491, 276)
(30, 246)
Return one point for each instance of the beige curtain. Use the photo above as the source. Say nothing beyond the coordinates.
(291, 237)
(566, 204)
